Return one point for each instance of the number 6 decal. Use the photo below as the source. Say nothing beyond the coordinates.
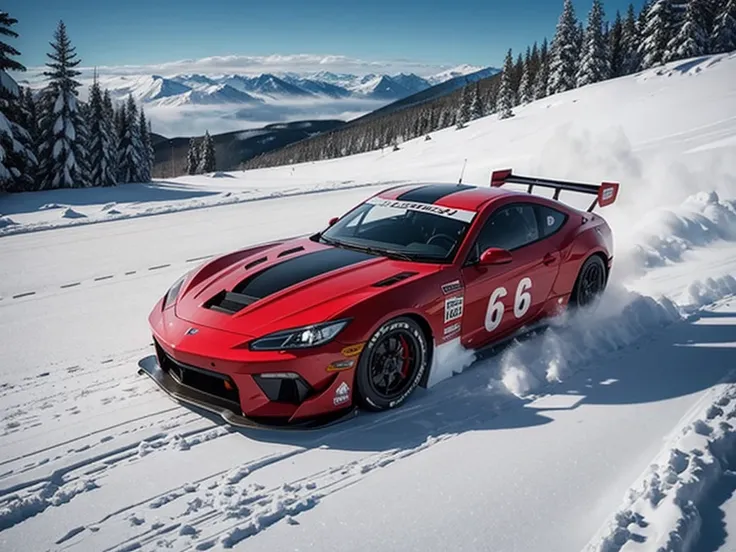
(495, 310)
(523, 299)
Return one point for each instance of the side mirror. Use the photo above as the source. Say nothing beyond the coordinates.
(495, 256)
(333, 220)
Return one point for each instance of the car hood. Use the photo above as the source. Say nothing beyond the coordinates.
(291, 284)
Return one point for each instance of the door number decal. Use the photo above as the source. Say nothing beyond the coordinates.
(495, 310)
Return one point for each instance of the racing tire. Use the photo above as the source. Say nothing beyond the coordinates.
(590, 284)
(391, 365)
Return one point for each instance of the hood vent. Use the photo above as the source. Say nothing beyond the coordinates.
(290, 251)
(255, 263)
(229, 303)
(394, 279)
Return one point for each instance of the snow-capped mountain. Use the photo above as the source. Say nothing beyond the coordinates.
(459, 71)
(213, 94)
(199, 89)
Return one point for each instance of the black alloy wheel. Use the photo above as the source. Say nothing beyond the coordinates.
(391, 364)
(591, 282)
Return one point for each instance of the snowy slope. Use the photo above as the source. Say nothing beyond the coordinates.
(546, 446)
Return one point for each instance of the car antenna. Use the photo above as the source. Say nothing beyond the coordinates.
(462, 172)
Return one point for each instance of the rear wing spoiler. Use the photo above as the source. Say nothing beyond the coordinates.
(605, 193)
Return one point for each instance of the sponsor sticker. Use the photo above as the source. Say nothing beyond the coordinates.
(353, 350)
(607, 193)
(342, 394)
(456, 214)
(550, 220)
(451, 329)
(453, 308)
(339, 365)
(451, 287)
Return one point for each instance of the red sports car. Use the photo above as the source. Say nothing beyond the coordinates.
(302, 331)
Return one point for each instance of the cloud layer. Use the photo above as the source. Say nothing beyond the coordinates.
(276, 63)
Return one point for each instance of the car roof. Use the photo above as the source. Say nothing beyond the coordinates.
(454, 196)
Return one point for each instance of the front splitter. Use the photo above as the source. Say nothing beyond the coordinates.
(193, 397)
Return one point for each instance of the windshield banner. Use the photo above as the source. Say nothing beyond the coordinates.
(456, 214)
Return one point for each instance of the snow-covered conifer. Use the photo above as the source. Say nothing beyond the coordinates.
(692, 38)
(61, 151)
(207, 161)
(193, 157)
(505, 93)
(594, 66)
(476, 103)
(17, 157)
(631, 60)
(101, 140)
(146, 152)
(129, 145)
(656, 34)
(564, 55)
(541, 81)
(723, 38)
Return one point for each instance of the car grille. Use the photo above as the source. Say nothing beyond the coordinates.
(212, 383)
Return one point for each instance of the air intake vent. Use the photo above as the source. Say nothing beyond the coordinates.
(394, 279)
(255, 263)
(290, 251)
(229, 303)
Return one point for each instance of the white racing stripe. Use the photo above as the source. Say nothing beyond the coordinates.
(455, 214)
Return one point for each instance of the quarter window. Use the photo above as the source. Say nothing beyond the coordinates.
(550, 220)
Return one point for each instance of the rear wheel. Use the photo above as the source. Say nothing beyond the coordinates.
(391, 364)
(591, 282)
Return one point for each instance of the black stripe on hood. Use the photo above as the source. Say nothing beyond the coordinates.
(293, 271)
(432, 192)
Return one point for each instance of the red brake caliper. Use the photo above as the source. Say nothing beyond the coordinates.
(404, 357)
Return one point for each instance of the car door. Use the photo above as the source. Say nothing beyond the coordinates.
(500, 299)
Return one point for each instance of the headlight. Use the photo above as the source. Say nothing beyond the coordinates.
(300, 338)
(173, 292)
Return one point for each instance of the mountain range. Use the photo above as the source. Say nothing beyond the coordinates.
(267, 88)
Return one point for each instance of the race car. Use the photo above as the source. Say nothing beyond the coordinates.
(302, 331)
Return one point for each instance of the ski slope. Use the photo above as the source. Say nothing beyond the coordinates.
(579, 439)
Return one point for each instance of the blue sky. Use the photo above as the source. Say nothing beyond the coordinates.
(149, 32)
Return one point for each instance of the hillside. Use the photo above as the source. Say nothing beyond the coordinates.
(611, 431)
(233, 148)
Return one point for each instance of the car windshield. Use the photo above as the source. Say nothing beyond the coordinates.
(404, 229)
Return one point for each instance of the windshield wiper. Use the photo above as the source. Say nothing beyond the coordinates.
(383, 252)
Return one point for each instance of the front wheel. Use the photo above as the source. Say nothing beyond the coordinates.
(591, 282)
(391, 364)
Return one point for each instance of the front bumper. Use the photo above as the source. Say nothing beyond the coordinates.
(215, 369)
(223, 407)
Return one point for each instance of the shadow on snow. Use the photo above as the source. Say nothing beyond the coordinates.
(683, 359)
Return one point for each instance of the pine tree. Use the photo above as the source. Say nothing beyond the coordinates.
(146, 152)
(505, 93)
(723, 38)
(62, 129)
(631, 60)
(594, 65)
(463, 110)
(516, 77)
(101, 139)
(564, 55)
(193, 157)
(17, 159)
(109, 113)
(656, 34)
(476, 105)
(616, 47)
(692, 38)
(31, 116)
(207, 162)
(541, 82)
(526, 88)
(129, 147)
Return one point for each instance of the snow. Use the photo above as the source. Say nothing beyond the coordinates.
(560, 441)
